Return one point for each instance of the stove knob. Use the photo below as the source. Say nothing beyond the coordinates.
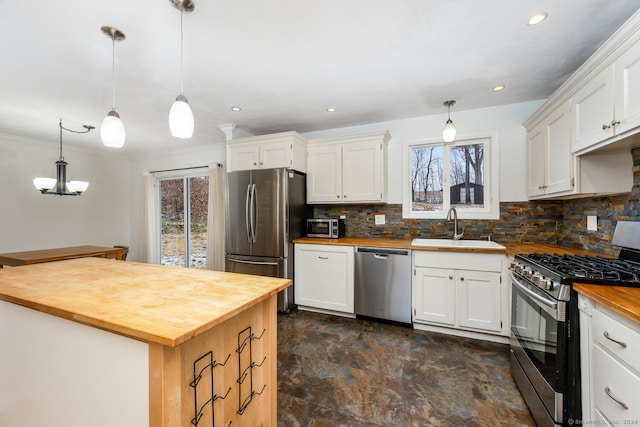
(537, 279)
(527, 273)
(549, 284)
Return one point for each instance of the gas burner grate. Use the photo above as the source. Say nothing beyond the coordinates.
(594, 268)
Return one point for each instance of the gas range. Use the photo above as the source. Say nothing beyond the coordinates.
(545, 324)
(555, 273)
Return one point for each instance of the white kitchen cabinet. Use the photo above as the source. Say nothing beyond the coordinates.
(610, 364)
(324, 277)
(609, 103)
(592, 107)
(550, 162)
(461, 291)
(281, 150)
(348, 169)
(434, 299)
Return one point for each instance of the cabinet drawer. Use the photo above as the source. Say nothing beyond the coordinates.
(458, 260)
(604, 325)
(612, 380)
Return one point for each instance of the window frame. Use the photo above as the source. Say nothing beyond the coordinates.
(491, 209)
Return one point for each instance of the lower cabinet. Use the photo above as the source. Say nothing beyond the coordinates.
(324, 276)
(610, 364)
(459, 290)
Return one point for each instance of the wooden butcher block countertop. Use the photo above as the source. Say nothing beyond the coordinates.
(150, 303)
(511, 249)
(623, 300)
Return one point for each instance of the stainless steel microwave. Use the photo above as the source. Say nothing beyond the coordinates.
(325, 227)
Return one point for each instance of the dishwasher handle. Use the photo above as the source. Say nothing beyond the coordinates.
(382, 253)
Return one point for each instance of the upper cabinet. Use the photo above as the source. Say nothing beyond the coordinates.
(280, 150)
(550, 163)
(579, 141)
(348, 169)
(609, 103)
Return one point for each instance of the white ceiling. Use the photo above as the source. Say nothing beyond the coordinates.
(283, 61)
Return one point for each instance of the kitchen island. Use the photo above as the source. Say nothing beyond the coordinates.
(101, 342)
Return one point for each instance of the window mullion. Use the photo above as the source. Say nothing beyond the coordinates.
(187, 222)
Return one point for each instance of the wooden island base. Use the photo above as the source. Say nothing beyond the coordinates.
(95, 342)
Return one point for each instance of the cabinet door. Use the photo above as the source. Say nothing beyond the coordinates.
(627, 89)
(479, 300)
(324, 277)
(559, 171)
(536, 160)
(592, 108)
(244, 157)
(434, 296)
(362, 172)
(324, 177)
(275, 155)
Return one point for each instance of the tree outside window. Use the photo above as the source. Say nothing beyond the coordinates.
(441, 176)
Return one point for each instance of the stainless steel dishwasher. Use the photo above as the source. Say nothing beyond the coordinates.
(383, 284)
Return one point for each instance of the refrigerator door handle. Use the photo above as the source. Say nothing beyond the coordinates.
(246, 213)
(254, 212)
(252, 262)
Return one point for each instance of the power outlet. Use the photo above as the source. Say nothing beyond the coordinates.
(380, 219)
(592, 223)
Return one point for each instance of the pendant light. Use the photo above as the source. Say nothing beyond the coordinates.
(59, 185)
(180, 115)
(449, 131)
(112, 130)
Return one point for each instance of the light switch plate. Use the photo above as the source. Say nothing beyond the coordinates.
(380, 219)
(592, 223)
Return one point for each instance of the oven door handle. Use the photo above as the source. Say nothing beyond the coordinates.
(549, 303)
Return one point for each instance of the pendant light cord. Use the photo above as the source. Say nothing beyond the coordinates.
(113, 73)
(87, 128)
(181, 54)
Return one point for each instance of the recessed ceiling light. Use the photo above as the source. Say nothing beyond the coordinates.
(499, 88)
(331, 110)
(236, 108)
(537, 18)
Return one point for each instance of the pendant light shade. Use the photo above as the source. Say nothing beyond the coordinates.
(449, 131)
(181, 118)
(59, 185)
(181, 121)
(112, 130)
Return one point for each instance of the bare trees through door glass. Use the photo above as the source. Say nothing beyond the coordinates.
(183, 207)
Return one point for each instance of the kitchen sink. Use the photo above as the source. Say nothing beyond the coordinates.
(450, 243)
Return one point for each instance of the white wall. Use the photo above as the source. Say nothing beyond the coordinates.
(185, 158)
(30, 220)
(505, 121)
(110, 212)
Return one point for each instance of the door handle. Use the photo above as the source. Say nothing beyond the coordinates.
(254, 213)
(246, 212)
(607, 390)
(381, 256)
(252, 262)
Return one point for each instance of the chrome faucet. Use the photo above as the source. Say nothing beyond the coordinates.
(456, 236)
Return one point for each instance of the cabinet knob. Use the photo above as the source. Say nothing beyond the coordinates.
(450, 277)
(255, 164)
(605, 127)
(462, 279)
(615, 122)
(338, 196)
(345, 196)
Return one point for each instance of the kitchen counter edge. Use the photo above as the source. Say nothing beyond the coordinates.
(623, 300)
(511, 248)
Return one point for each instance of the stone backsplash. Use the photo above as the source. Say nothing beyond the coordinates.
(519, 222)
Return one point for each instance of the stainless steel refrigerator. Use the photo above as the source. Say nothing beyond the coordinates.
(266, 210)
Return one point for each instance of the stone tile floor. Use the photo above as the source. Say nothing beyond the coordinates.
(335, 371)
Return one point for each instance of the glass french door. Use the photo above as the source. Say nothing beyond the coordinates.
(183, 221)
